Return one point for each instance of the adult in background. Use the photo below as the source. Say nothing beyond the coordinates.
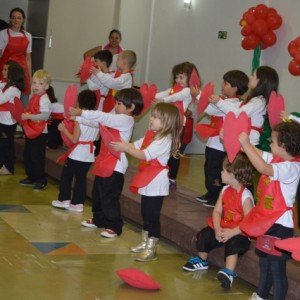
(16, 44)
(113, 46)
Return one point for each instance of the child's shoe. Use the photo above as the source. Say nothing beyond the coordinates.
(4, 171)
(254, 296)
(39, 186)
(27, 181)
(195, 264)
(172, 184)
(61, 204)
(89, 223)
(75, 207)
(226, 277)
(108, 233)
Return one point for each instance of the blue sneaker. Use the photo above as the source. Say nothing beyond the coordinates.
(195, 264)
(226, 277)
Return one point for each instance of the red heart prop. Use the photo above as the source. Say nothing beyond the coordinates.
(194, 79)
(70, 126)
(16, 110)
(148, 93)
(70, 99)
(275, 106)
(233, 127)
(85, 68)
(205, 130)
(291, 245)
(207, 91)
(107, 138)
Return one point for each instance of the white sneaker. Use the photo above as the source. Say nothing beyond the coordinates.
(77, 207)
(61, 204)
(89, 223)
(108, 233)
(254, 296)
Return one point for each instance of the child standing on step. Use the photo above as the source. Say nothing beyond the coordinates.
(234, 202)
(151, 181)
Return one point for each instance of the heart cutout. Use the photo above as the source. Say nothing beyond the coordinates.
(275, 106)
(107, 138)
(291, 245)
(16, 109)
(148, 94)
(85, 69)
(70, 127)
(194, 79)
(70, 99)
(207, 91)
(233, 127)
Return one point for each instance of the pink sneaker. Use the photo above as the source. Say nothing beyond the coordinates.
(61, 204)
(108, 233)
(89, 223)
(77, 207)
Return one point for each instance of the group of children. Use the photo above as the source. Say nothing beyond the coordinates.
(110, 111)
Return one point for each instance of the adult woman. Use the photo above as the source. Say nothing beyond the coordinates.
(16, 44)
(113, 46)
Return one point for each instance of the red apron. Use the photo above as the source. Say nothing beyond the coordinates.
(105, 163)
(147, 170)
(16, 49)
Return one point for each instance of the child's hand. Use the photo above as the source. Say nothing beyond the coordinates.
(75, 111)
(195, 91)
(61, 126)
(119, 146)
(244, 139)
(155, 100)
(221, 134)
(284, 115)
(26, 116)
(72, 118)
(218, 234)
(226, 234)
(214, 99)
(188, 113)
(94, 70)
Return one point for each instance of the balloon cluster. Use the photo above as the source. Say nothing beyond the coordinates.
(294, 50)
(258, 24)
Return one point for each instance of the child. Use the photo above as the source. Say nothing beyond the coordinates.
(151, 181)
(122, 78)
(109, 170)
(13, 75)
(179, 95)
(57, 115)
(272, 218)
(234, 202)
(103, 59)
(234, 85)
(35, 128)
(80, 158)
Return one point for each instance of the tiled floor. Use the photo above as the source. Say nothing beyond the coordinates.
(46, 254)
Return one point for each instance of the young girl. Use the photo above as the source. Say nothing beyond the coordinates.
(180, 96)
(57, 115)
(234, 202)
(272, 218)
(10, 88)
(263, 81)
(151, 181)
(108, 169)
(80, 158)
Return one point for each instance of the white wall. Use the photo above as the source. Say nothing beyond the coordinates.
(8, 5)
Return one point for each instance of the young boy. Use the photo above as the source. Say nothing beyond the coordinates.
(272, 218)
(122, 78)
(108, 169)
(235, 84)
(35, 128)
(234, 202)
(103, 59)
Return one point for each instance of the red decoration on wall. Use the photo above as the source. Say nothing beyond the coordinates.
(258, 24)
(294, 51)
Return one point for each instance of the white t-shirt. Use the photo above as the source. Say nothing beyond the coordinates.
(4, 39)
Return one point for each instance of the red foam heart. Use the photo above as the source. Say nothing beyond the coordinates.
(84, 72)
(275, 106)
(205, 130)
(233, 127)
(70, 99)
(107, 138)
(148, 93)
(16, 109)
(291, 245)
(207, 91)
(70, 126)
(194, 79)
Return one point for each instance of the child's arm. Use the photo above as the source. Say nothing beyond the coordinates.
(73, 137)
(195, 92)
(184, 95)
(9, 94)
(130, 149)
(217, 216)
(284, 115)
(255, 156)
(119, 83)
(92, 52)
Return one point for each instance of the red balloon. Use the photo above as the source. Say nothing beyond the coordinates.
(293, 51)
(246, 30)
(274, 21)
(261, 11)
(269, 39)
(260, 28)
(297, 41)
(291, 45)
(245, 44)
(271, 11)
(250, 42)
(294, 68)
(249, 17)
(297, 58)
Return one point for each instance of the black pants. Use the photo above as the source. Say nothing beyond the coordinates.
(150, 208)
(34, 158)
(106, 202)
(212, 170)
(54, 138)
(174, 163)
(78, 170)
(7, 147)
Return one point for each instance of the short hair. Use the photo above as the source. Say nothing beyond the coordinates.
(51, 94)
(42, 75)
(237, 79)
(131, 96)
(15, 75)
(104, 56)
(87, 99)
(129, 56)
(183, 68)
(241, 168)
(118, 32)
(289, 137)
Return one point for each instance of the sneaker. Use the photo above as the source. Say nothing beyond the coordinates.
(89, 223)
(254, 296)
(39, 186)
(75, 207)
(195, 264)
(26, 181)
(61, 204)
(203, 198)
(226, 277)
(172, 184)
(210, 203)
(108, 233)
(4, 171)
